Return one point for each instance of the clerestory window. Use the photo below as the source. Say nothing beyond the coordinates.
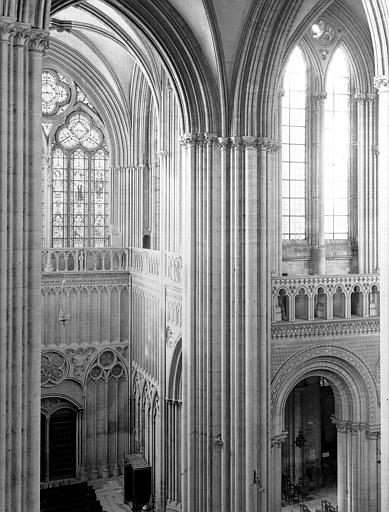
(304, 131)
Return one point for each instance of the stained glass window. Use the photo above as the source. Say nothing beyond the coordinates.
(337, 147)
(80, 184)
(55, 93)
(293, 148)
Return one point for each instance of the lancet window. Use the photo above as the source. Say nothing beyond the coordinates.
(298, 152)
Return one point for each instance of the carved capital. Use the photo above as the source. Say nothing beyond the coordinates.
(375, 150)
(374, 435)
(39, 40)
(250, 142)
(381, 82)
(224, 143)
(371, 96)
(22, 33)
(162, 153)
(7, 28)
(360, 97)
(237, 142)
(190, 139)
(210, 138)
(341, 426)
(267, 144)
(320, 96)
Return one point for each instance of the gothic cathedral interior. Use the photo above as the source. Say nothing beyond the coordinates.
(194, 255)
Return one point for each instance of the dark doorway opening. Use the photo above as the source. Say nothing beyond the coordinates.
(59, 445)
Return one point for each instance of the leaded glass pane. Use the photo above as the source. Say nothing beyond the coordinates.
(60, 203)
(337, 147)
(80, 199)
(293, 147)
(99, 198)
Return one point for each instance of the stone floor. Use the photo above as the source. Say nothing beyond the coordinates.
(110, 494)
(314, 501)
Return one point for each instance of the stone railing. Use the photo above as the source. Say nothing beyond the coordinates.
(145, 262)
(136, 261)
(321, 298)
(173, 268)
(85, 260)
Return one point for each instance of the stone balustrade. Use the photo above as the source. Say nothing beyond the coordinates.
(136, 261)
(145, 262)
(173, 268)
(86, 259)
(321, 298)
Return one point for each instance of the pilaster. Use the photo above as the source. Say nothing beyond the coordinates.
(382, 85)
(318, 251)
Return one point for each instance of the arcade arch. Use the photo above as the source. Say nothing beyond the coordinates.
(356, 417)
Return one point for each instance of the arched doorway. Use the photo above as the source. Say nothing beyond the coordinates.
(59, 442)
(309, 453)
(356, 418)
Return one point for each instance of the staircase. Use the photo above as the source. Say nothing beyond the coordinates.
(79, 497)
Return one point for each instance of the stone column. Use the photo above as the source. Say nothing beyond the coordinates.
(257, 314)
(367, 185)
(276, 461)
(298, 427)
(238, 349)
(225, 317)
(318, 251)
(342, 428)
(20, 253)
(203, 418)
(382, 84)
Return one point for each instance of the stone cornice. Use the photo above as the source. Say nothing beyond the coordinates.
(325, 329)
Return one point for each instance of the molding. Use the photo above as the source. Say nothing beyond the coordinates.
(346, 367)
(329, 328)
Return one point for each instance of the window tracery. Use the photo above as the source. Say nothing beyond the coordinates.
(313, 124)
(79, 166)
(56, 93)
